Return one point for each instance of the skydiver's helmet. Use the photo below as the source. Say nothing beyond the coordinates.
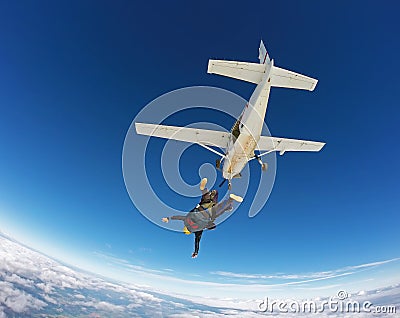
(209, 199)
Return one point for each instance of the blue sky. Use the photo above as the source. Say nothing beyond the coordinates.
(74, 75)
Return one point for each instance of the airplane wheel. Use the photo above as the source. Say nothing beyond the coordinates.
(264, 167)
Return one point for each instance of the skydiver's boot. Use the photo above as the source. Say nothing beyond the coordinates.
(203, 183)
(236, 198)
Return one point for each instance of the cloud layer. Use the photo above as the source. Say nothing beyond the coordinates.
(34, 285)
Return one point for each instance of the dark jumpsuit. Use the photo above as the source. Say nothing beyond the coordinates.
(216, 211)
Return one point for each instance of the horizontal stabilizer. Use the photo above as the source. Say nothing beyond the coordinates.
(249, 72)
(267, 143)
(288, 79)
(192, 135)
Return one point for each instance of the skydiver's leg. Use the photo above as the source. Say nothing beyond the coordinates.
(203, 189)
(220, 208)
(203, 183)
(236, 198)
(197, 243)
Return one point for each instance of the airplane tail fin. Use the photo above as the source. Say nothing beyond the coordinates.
(263, 55)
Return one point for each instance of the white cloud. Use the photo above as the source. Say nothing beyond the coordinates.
(47, 288)
(2, 313)
(49, 299)
(315, 275)
(13, 278)
(17, 300)
(235, 284)
(31, 281)
(101, 305)
(24, 269)
(125, 264)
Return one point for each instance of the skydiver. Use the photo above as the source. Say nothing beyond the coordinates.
(204, 214)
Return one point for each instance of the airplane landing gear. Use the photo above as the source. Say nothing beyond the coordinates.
(218, 164)
(229, 184)
(264, 165)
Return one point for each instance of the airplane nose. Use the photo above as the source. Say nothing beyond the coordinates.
(227, 175)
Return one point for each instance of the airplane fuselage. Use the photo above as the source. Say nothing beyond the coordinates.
(241, 149)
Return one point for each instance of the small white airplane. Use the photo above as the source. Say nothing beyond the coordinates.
(245, 136)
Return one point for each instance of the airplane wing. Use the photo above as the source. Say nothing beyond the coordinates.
(192, 135)
(267, 143)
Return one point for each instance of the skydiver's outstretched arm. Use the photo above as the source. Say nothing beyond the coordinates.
(175, 217)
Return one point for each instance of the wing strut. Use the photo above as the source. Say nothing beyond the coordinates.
(263, 154)
(209, 148)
